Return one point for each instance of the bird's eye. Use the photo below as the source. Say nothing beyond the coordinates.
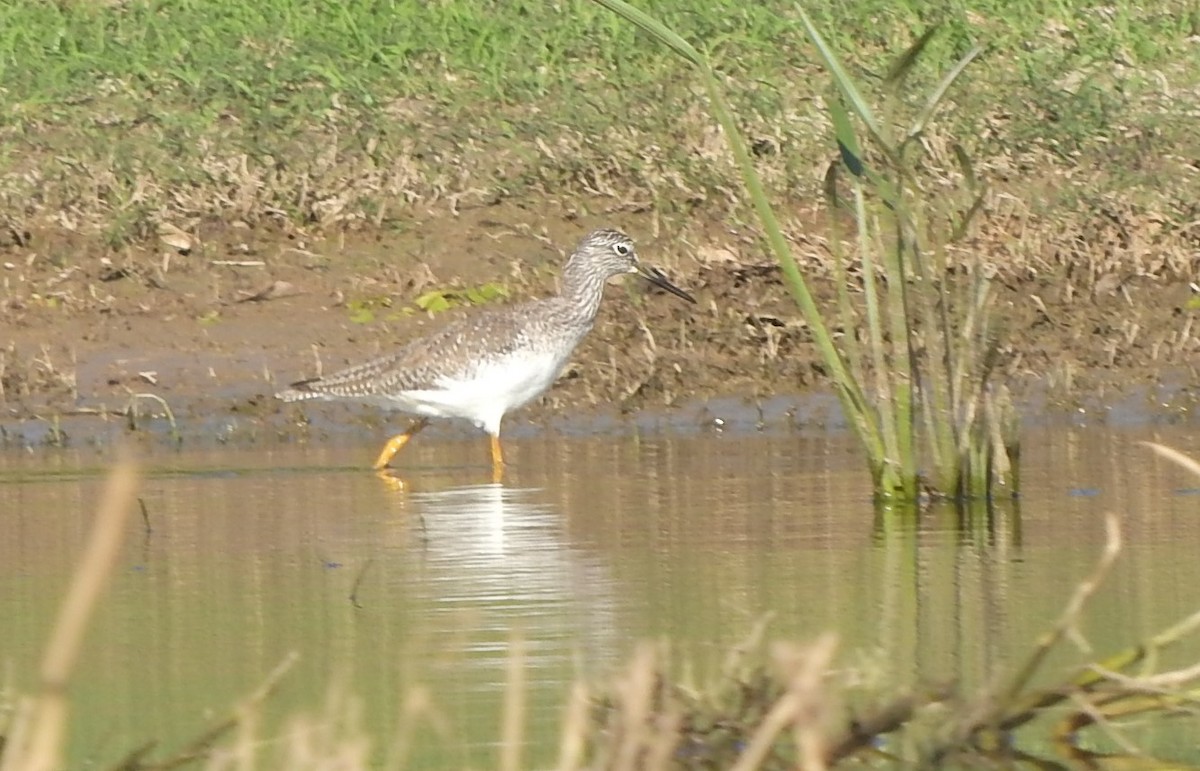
(621, 249)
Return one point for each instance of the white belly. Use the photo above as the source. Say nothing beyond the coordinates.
(494, 389)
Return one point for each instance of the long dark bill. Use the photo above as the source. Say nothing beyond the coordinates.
(656, 277)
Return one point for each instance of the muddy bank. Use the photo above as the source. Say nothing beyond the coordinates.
(214, 321)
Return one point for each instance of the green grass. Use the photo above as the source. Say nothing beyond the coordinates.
(128, 114)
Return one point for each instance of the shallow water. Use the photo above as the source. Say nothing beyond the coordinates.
(591, 544)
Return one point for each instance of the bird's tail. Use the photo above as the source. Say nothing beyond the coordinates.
(300, 390)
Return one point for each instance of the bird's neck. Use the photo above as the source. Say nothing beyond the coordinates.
(581, 288)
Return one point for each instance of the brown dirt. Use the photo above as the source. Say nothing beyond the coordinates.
(85, 327)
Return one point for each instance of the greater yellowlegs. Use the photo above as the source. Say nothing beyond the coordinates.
(495, 360)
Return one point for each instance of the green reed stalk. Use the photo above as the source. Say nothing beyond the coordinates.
(849, 389)
(968, 433)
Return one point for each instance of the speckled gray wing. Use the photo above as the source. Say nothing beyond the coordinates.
(451, 353)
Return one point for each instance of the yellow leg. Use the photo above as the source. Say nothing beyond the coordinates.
(497, 461)
(393, 482)
(397, 442)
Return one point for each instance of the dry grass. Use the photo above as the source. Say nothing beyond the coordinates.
(38, 733)
(23, 373)
(1107, 227)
